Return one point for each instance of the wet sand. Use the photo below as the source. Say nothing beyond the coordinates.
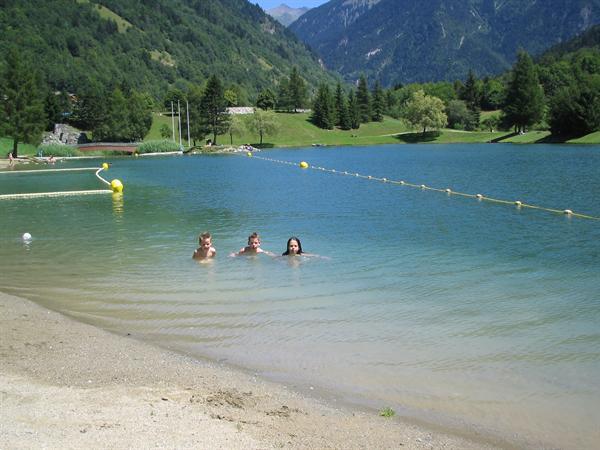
(66, 384)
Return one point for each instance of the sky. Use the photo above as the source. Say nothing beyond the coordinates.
(268, 4)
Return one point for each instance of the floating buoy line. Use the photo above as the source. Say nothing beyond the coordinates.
(116, 187)
(480, 197)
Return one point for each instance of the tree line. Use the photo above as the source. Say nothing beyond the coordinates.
(559, 93)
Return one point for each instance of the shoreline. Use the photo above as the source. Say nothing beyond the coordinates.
(68, 384)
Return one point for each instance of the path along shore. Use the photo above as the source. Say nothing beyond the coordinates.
(66, 384)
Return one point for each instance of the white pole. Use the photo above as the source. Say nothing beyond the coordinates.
(173, 120)
(179, 115)
(187, 109)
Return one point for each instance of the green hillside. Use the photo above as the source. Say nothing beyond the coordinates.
(151, 45)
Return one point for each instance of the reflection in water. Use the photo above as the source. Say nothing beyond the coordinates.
(117, 204)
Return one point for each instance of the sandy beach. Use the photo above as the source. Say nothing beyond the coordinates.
(66, 384)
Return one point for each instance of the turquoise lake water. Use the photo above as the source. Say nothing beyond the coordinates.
(474, 315)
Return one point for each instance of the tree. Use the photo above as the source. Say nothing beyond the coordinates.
(353, 111)
(197, 133)
(471, 95)
(57, 107)
(231, 97)
(323, 114)
(236, 127)
(213, 109)
(283, 95)
(425, 111)
(575, 109)
(378, 103)
(263, 122)
(341, 108)
(459, 116)
(524, 104)
(297, 90)
(90, 107)
(21, 101)
(491, 123)
(492, 94)
(266, 99)
(364, 100)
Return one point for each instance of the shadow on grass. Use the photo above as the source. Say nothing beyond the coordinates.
(263, 145)
(415, 138)
(506, 136)
(558, 139)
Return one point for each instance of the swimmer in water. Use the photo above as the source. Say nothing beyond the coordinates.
(206, 250)
(253, 247)
(294, 248)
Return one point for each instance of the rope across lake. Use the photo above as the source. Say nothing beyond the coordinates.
(115, 185)
(480, 197)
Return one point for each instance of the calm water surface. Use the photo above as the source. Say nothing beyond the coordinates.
(462, 312)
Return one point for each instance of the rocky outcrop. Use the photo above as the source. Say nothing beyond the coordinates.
(64, 134)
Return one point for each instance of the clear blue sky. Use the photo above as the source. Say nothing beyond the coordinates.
(268, 4)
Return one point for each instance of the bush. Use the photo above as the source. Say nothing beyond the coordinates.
(58, 150)
(158, 146)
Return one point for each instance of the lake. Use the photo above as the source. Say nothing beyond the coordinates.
(466, 313)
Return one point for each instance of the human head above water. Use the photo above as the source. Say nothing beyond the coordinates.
(294, 246)
(254, 240)
(204, 237)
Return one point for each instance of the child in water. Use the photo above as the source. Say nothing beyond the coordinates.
(253, 247)
(206, 250)
(294, 247)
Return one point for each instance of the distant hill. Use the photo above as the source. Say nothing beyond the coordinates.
(286, 15)
(588, 39)
(401, 41)
(152, 44)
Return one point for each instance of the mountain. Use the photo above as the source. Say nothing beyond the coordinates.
(590, 39)
(286, 15)
(153, 44)
(401, 41)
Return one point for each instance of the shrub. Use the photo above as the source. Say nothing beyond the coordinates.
(158, 146)
(58, 150)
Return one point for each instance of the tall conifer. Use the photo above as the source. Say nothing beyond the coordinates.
(524, 103)
(364, 100)
(22, 114)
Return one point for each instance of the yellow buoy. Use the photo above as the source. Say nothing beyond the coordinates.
(116, 185)
(304, 165)
(105, 166)
(249, 153)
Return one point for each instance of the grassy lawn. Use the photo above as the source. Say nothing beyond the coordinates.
(295, 130)
(592, 138)
(23, 149)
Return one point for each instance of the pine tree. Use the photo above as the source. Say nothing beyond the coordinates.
(213, 109)
(353, 111)
(364, 100)
(323, 114)
(283, 95)
(378, 103)
(22, 114)
(297, 90)
(341, 107)
(470, 93)
(524, 103)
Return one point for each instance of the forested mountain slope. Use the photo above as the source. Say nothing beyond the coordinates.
(400, 41)
(151, 44)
